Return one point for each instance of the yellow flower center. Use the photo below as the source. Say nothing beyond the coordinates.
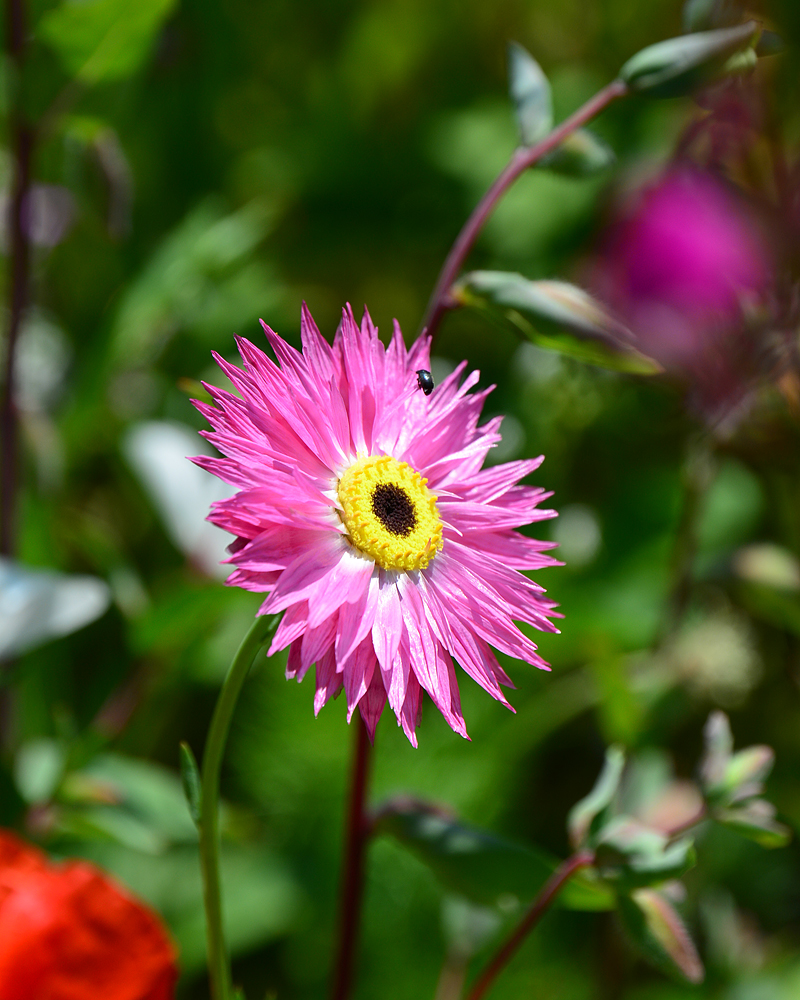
(389, 512)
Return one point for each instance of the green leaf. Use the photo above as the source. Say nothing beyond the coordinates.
(701, 15)
(583, 816)
(202, 278)
(729, 777)
(678, 65)
(718, 749)
(147, 793)
(747, 771)
(38, 767)
(581, 154)
(190, 778)
(530, 92)
(103, 39)
(261, 899)
(554, 315)
(755, 821)
(630, 854)
(656, 929)
(479, 865)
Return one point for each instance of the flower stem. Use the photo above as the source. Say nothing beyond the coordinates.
(522, 158)
(550, 890)
(358, 828)
(218, 962)
(22, 137)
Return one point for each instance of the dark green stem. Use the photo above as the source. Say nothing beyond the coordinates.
(218, 962)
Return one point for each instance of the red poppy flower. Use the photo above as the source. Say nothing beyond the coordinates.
(67, 932)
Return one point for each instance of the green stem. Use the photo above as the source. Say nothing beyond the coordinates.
(218, 963)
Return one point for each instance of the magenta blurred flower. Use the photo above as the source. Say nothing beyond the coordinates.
(364, 513)
(684, 268)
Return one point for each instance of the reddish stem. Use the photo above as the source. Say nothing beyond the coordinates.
(19, 278)
(358, 828)
(550, 890)
(523, 158)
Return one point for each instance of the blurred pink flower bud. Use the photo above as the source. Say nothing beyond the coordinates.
(684, 268)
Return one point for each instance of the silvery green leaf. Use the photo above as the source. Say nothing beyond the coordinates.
(630, 854)
(718, 749)
(530, 91)
(678, 65)
(146, 791)
(181, 492)
(729, 777)
(554, 315)
(38, 767)
(657, 930)
(755, 821)
(479, 865)
(581, 154)
(583, 816)
(37, 605)
(702, 15)
(747, 771)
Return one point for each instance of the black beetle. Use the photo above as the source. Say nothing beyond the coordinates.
(425, 381)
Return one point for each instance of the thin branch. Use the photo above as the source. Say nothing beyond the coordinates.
(523, 158)
(550, 890)
(19, 272)
(358, 827)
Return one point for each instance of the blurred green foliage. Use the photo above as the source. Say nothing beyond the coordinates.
(223, 162)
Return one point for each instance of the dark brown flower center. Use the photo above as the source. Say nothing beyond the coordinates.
(393, 508)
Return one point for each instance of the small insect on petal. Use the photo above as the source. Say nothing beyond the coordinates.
(425, 381)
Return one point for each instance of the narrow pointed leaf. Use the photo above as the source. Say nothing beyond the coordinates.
(678, 65)
(530, 92)
(190, 778)
(657, 930)
(581, 154)
(630, 854)
(718, 749)
(99, 40)
(479, 865)
(702, 15)
(554, 315)
(747, 771)
(583, 814)
(755, 821)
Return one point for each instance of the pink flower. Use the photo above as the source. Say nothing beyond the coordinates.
(683, 268)
(364, 513)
